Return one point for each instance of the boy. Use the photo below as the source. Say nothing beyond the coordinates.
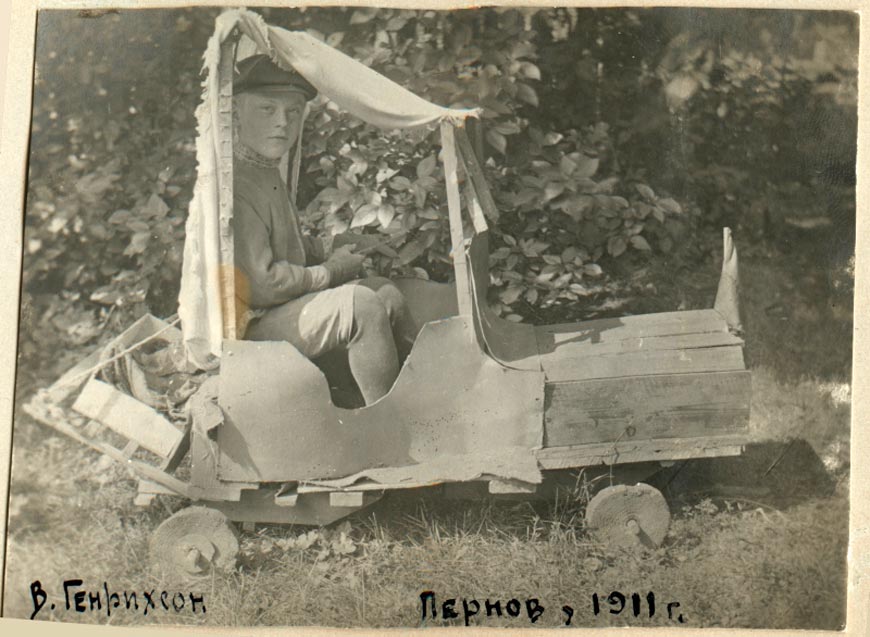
(285, 288)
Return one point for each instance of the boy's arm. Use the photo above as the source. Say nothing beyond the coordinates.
(262, 281)
(315, 252)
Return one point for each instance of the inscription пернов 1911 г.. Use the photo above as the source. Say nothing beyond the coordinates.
(617, 602)
(85, 600)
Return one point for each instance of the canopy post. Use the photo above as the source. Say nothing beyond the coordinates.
(225, 185)
(475, 172)
(474, 126)
(472, 205)
(472, 200)
(454, 206)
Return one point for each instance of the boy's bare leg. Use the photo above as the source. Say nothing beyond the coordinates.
(402, 323)
(371, 351)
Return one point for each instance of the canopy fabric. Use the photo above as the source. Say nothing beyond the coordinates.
(356, 88)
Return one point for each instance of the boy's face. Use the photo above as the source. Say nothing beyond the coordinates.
(268, 123)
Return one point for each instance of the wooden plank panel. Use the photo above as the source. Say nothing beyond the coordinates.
(581, 343)
(128, 417)
(639, 326)
(645, 362)
(75, 377)
(573, 345)
(640, 451)
(475, 171)
(42, 413)
(646, 408)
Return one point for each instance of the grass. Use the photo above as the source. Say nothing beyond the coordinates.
(728, 563)
(729, 560)
(755, 542)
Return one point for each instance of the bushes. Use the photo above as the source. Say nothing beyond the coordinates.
(563, 204)
(610, 137)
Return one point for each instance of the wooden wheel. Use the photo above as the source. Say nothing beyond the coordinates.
(195, 541)
(630, 516)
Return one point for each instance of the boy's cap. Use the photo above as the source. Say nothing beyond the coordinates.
(259, 73)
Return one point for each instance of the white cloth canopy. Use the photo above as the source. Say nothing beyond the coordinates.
(350, 84)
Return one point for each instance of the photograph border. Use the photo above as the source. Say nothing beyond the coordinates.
(14, 148)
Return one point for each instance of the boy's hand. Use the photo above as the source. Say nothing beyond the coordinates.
(343, 265)
(366, 243)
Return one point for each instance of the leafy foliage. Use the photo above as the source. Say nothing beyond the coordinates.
(610, 139)
(559, 213)
(111, 174)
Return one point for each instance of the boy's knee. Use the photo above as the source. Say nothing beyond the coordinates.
(393, 300)
(367, 307)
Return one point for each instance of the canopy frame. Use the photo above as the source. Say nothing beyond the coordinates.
(225, 184)
(208, 307)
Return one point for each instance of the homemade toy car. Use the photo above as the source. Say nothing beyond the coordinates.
(479, 401)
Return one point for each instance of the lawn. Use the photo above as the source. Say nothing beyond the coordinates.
(758, 541)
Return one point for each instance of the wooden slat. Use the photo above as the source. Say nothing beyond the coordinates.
(646, 408)
(574, 356)
(645, 362)
(582, 345)
(460, 266)
(638, 326)
(475, 212)
(170, 464)
(143, 328)
(314, 509)
(286, 499)
(143, 499)
(363, 486)
(475, 171)
(128, 417)
(511, 486)
(41, 413)
(472, 199)
(130, 448)
(75, 377)
(474, 126)
(346, 499)
(640, 451)
(154, 488)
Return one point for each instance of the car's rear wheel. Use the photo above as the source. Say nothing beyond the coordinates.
(629, 515)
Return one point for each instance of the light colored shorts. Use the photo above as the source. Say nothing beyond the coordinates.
(315, 323)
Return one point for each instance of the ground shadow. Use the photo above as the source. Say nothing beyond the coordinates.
(775, 473)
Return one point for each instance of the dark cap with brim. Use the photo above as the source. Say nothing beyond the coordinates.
(259, 73)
